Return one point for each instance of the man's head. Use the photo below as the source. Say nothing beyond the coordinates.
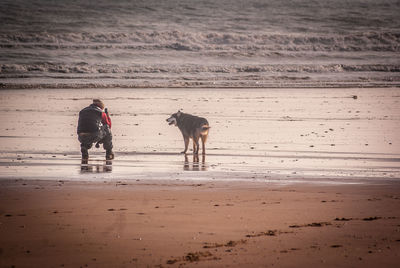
(98, 103)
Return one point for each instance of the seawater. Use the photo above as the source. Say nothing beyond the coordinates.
(208, 43)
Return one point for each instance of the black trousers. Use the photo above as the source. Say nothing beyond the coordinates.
(103, 136)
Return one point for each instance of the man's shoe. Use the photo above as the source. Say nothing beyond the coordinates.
(109, 155)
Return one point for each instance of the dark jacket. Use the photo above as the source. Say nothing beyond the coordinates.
(89, 119)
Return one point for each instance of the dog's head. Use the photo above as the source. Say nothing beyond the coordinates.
(173, 119)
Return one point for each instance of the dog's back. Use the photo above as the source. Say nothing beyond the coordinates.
(192, 126)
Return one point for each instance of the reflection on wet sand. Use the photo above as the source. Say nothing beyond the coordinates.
(103, 167)
(196, 165)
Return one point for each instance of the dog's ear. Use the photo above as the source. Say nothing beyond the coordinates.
(178, 113)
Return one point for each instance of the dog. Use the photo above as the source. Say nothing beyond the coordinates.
(192, 127)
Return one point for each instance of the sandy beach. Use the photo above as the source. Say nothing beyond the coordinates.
(303, 155)
(290, 179)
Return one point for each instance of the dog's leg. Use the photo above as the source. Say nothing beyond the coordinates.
(186, 140)
(203, 142)
(196, 145)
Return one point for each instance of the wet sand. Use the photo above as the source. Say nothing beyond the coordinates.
(291, 178)
(269, 135)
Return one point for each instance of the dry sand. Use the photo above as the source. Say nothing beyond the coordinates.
(132, 224)
(292, 178)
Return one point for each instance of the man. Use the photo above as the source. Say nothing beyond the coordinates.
(94, 126)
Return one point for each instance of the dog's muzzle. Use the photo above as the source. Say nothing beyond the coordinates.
(171, 121)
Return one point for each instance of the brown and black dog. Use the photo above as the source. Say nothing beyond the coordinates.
(192, 127)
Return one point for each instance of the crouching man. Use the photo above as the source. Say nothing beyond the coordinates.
(94, 126)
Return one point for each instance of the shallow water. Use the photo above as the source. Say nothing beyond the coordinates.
(182, 43)
(267, 135)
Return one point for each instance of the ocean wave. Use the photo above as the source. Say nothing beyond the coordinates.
(190, 41)
(280, 83)
(83, 67)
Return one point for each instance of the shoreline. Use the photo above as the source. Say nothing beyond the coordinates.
(282, 168)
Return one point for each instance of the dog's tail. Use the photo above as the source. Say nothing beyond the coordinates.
(204, 129)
